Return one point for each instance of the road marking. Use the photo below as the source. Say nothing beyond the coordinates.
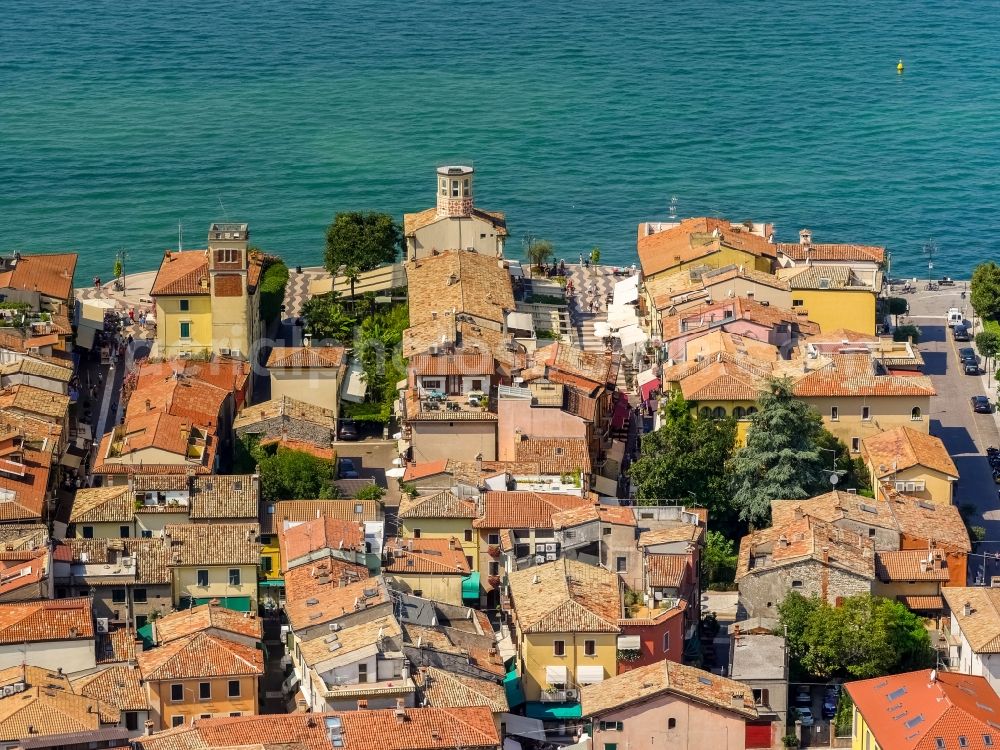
(981, 444)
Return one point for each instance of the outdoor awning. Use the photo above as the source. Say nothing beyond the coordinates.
(632, 335)
(521, 321)
(522, 726)
(512, 688)
(556, 674)
(85, 336)
(553, 711)
(923, 603)
(647, 389)
(146, 633)
(588, 675)
(354, 386)
(601, 329)
(620, 316)
(470, 586)
(629, 642)
(235, 603)
(271, 583)
(70, 459)
(627, 291)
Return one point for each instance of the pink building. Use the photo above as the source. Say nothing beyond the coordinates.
(671, 705)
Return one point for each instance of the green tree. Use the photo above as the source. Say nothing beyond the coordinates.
(118, 268)
(540, 252)
(984, 290)
(361, 241)
(898, 306)
(988, 344)
(794, 613)
(327, 318)
(370, 492)
(294, 475)
(595, 255)
(272, 289)
(906, 333)
(685, 459)
(852, 471)
(718, 561)
(781, 458)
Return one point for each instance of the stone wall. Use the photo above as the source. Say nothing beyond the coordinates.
(285, 426)
(762, 592)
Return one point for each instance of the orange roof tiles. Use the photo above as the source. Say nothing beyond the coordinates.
(912, 711)
(666, 570)
(296, 357)
(442, 504)
(460, 363)
(119, 686)
(697, 238)
(180, 396)
(444, 689)
(835, 252)
(212, 544)
(425, 556)
(859, 375)
(49, 274)
(40, 711)
(566, 596)
(423, 470)
(182, 273)
(610, 514)
(911, 565)
(902, 448)
(46, 620)
(316, 600)
(459, 281)
(554, 455)
(981, 624)
(187, 622)
(803, 539)
(519, 510)
(305, 510)
(199, 655)
(412, 223)
(318, 534)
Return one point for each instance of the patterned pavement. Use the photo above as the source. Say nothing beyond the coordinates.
(591, 289)
(297, 290)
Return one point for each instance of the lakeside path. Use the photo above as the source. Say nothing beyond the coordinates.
(135, 294)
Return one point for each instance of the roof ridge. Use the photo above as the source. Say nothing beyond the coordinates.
(458, 719)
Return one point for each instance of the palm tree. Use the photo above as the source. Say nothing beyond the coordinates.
(539, 252)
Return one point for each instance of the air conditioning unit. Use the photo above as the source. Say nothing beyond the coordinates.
(539, 559)
(183, 355)
(102, 624)
(550, 547)
(224, 351)
(20, 687)
(8, 690)
(550, 556)
(236, 354)
(572, 695)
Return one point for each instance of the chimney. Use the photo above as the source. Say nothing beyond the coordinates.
(798, 513)
(826, 555)
(400, 710)
(782, 541)
(148, 728)
(805, 237)
(737, 700)
(967, 609)
(453, 543)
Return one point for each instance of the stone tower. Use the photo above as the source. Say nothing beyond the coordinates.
(454, 191)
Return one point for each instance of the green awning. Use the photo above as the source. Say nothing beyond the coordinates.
(553, 711)
(235, 603)
(512, 687)
(470, 586)
(146, 633)
(270, 582)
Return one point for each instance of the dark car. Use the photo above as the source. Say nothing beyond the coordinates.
(346, 469)
(968, 353)
(980, 405)
(971, 368)
(829, 708)
(348, 430)
(960, 333)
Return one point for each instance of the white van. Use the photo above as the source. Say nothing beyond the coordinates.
(955, 317)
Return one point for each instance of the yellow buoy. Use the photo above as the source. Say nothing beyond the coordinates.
(899, 66)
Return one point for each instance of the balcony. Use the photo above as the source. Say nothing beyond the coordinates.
(563, 695)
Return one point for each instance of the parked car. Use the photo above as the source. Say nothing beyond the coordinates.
(805, 716)
(967, 352)
(961, 333)
(803, 697)
(981, 405)
(971, 368)
(829, 708)
(346, 469)
(348, 430)
(955, 317)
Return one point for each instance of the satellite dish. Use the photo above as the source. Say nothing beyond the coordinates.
(834, 478)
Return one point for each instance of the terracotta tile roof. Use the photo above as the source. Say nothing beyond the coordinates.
(859, 375)
(318, 534)
(24, 496)
(417, 221)
(838, 252)
(720, 380)
(478, 650)
(205, 617)
(150, 554)
(35, 677)
(301, 446)
(285, 407)
(23, 569)
(936, 522)
(679, 532)
(416, 471)
(103, 504)
(610, 514)
(46, 620)
(913, 712)
(27, 366)
(666, 570)
(697, 238)
(443, 504)
(804, 539)
(519, 510)
(304, 510)
(296, 357)
(667, 678)
(165, 432)
(160, 483)
(443, 689)
(981, 626)
(34, 401)
(596, 368)
(911, 565)
(182, 273)
(566, 596)
(117, 646)
(826, 277)
(352, 638)
(181, 396)
(119, 686)
(726, 312)
(921, 603)
(458, 281)
(425, 556)
(212, 544)
(228, 374)
(902, 448)
(680, 288)
(199, 655)
(316, 600)
(37, 712)
(460, 363)
(554, 455)
(50, 274)
(225, 496)
(23, 536)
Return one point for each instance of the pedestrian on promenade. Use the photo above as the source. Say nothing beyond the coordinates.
(131, 314)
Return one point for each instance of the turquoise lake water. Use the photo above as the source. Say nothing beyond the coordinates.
(119, 120)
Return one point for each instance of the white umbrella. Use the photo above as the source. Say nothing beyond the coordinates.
(396, 473)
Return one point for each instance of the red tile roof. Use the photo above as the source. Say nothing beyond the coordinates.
(305, 356)
(524, 510)
(46, 620)
(48, 274)
(205, 617)
(416, 471)
(902, 448)
(182, 273)
(426, 555)
(460, 363)
(316, 599)
(842, 252)
(697, 238)
(319, 534)
(199, 655)
(666, 570)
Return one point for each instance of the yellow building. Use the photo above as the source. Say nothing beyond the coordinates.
(432, 568)
(913, 462)
(214, 561)
(926, 709)
(200, 676)
(207, 301)
(442, 515)
(834, 296)
(566, 628)
(703, 244)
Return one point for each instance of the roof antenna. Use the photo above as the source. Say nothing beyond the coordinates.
(180, 236)
(225, 214)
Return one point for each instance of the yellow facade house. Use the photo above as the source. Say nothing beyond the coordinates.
(207, 301)
(834, 296)
(442, 515)
(312, 374)
(432, 568)
(913, 462)
(566, 628)
(214, 561)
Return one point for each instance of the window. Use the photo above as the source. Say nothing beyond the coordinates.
(705, 413)
(739, 412)
(915, 414)
(465, 188)
(606, 531)
(871, 531)
(796, 303)
(666, 642)
(235, 713)
(176, 692)
(205, 690)
(493, 539)
(590, 648)
(234, 576)
(205, 716)
(444, 188)
(139, 596)
(227, 255)
(362, 673)
(671, 723)
(796, 584)
(751, 410)
(416, 533)
(432, 384)
(855, 444)
(866, 413)
(610, 746)
(177, 720)
(140, 621)
(147, 533)
(962, 741)
(477, 385)
(418, 592)
(202, 577)
(266, 564)
(988, 740)
(494, 569)
(454, 188)
(611, 726)
(621, 564)
(559, 648)
(234, 688)
(834, 413)
(88, 532)
(718, 413)
(468, 535)
(131, 720)
(123, 532)
(118, 596)
(184, 305)
(186, 329)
